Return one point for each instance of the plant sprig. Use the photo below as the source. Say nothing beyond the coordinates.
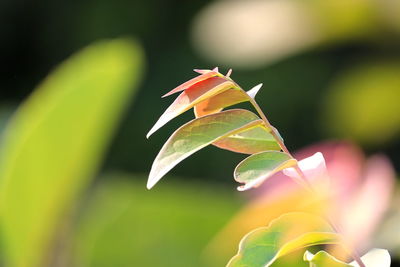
(237, 130)
(241, 131)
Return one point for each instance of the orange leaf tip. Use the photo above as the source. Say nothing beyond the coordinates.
(253, 91)
(204, 76)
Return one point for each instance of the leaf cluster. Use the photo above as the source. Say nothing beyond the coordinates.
(243, 131)
(237, 130)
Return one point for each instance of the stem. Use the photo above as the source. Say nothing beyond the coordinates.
(303, 181)
(352, 251)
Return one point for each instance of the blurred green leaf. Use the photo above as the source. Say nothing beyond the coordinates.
(197, 134)
(55, 142)
(322, 258)
(374, 258)
(255, 169)
(363, 104)
(5, 114)
(123, 225)
(288, 233)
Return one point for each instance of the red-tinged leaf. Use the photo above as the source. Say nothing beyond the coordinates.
(197, 134)
(228, 98)
(250, 141)
(188, 98)
(202, 71)
(254, 170)
(218, 102)
(206, 75)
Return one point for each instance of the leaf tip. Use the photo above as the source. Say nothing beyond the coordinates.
(167, 94)
(160, 123)
(152, 130)
(242, 188)
(247, 186)
(253, 91)
(201, 71)
(151, 182)
(149, 185)
(308, 256)
(228, 74)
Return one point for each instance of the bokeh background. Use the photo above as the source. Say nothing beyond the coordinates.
(330, 69)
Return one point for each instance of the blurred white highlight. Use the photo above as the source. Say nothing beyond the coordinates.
(250, 33)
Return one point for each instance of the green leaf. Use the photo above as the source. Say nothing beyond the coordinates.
(192, 96)
(376, 257)
(55, 142)
(252, 141)
(197, 134)
(254, 170)
(322, 259)
(248, 142)
(290, 232)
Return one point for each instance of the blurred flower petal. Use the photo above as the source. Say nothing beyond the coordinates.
(312, 167)
(365, 210)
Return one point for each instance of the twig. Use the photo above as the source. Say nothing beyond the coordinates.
(303, 181)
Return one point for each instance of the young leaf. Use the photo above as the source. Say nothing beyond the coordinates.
(192, 96)
(374, 258)
(218, 102)
(202, 71)
(290, 232)
(205, 74)
(253, 91)
(55, 142)
(225, 99)
(254, 170)
(197, 134)
(250, 141)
